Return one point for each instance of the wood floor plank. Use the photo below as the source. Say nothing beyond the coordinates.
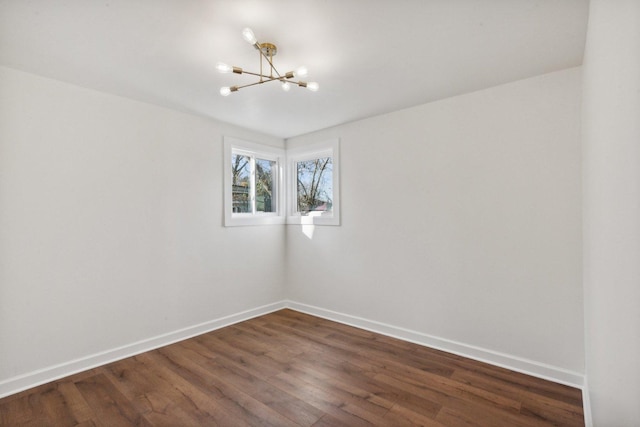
(282, 347)
(354, 393)
(292, 369)
(17, 412)
(232, 398)
(358, 380)
(413, 384)
(280, 401)
(550, 411)
(161, 402)
(109, 405)
(481, 418)
(460, 391)
(467, 369)
(323, 398)
(78, 406)
(330, 421)
(562, 396)
(385, 351)
(259, 365)
(400, 416)
(199, 391)
(56, 407)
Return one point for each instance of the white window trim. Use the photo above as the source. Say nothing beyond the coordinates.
(266, 152)
(328, 148)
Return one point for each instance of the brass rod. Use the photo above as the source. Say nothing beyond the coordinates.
(268, 60)
(268, 79)
(271, 62)
(281, 78)
(264, 78)
(256, 74)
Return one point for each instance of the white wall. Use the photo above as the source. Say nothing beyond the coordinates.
(460, 219)
(111, 225)
(611, 133)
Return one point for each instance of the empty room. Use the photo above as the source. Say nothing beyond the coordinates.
(320, 213)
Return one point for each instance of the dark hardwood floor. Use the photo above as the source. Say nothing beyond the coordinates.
(292, 369)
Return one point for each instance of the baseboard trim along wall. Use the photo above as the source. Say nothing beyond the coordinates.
(52, 373)
(514, 363)
(586, 403)
(42, 376)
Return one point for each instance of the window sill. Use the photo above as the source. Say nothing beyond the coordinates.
(240, 221)
(312, 219)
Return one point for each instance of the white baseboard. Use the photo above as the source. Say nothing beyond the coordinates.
(514, 363)
(42, 376)
(586, 404)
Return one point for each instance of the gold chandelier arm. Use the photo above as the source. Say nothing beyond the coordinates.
(250, 84)
(286, 78)
(272, 66)
(268, 79)
(264, 76)
(255, 74)
(258, 46)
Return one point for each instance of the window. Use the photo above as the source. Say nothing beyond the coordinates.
(314, 185)
(253, 183)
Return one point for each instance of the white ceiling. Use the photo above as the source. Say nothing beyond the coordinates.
(369, 56)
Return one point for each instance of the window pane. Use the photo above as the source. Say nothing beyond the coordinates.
(265, 184)
(315, 185)
(240, 168)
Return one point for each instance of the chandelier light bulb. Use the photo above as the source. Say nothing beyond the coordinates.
(313, 86)
(286, 86)
(301, 71)
(225, 91)
(224, 68)
(249, 36)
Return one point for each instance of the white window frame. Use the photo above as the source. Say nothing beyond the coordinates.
(238, 146)
(329, 148)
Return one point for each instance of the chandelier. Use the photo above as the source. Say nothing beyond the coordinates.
(267, 51)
